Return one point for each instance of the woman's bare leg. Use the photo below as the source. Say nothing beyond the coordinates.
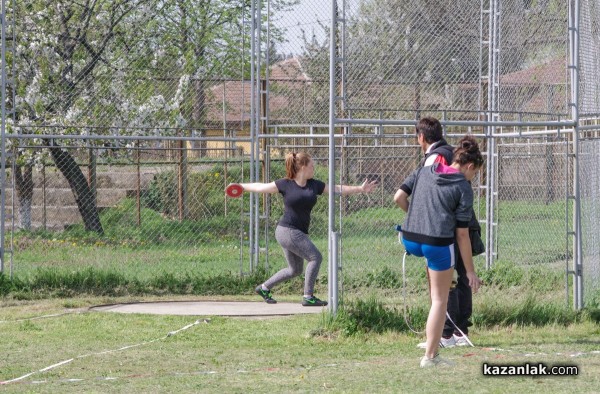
(440, 282)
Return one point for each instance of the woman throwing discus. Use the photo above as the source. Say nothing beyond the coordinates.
(300, 192)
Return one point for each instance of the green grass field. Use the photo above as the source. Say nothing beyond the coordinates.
(274, 355)
(521, 314)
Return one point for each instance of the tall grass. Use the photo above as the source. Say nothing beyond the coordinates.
(60, 283)
(528, 310)
(372, 315)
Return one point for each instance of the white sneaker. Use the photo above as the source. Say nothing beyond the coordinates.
(448, 342)
(460, 341)
(445, 343)
(435, 362)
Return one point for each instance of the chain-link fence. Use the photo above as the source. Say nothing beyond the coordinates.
(590, 149)
(533, 184)
(156, 205)
(532, 58)
(143, 111)
(589, 59)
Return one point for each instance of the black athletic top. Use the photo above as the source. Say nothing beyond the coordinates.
(298, 202)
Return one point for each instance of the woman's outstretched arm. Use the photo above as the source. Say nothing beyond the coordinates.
(259, 187)
(366, 187)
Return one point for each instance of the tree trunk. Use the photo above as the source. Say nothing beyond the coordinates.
(182, 181)
(84, 197)
(418, 100)
(198, 112)
(24, 186)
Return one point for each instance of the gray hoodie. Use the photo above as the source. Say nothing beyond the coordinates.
(439, 204)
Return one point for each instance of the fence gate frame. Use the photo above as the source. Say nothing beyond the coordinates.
(337, 118)
(490, 119)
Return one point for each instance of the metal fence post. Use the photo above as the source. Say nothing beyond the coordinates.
(332, 121)
(574, 22)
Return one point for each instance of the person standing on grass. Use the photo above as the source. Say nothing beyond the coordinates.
(299, 191)
(460, 299)
(438, 215)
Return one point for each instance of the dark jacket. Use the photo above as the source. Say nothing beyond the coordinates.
(440, 203)
(443, 149)
(446, 150)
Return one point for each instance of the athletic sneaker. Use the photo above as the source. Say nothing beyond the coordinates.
(313, 301)
(437, 361)
(444, 343)
(460, 340)
(448, 342)
(266, 295)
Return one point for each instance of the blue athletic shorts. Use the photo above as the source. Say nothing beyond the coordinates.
(439, 258)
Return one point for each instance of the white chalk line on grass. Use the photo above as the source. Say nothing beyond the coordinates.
(41, 317)
(169, 334)
(111, 378)
(279, 369)
(517, 353)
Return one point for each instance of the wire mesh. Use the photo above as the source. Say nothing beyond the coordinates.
(423, 55)
(153, 207)
(371, 257)
(141, 64)
(589, 88)
(397, 59)
(533, 185)
(533, 62)
(299, 73)
(176, 69)
(589, 151)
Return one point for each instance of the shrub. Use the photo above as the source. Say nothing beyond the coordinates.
(7, 285)
(371, 315)
(525, 310)
(161, 193)
(63, 283)
(503, 274)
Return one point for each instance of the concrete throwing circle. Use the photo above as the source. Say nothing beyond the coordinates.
(211, 308)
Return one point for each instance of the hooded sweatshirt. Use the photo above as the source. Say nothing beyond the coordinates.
(440, 202)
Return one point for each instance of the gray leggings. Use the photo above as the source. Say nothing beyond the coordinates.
(297, 247)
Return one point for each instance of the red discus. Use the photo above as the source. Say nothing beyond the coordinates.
(234, 190)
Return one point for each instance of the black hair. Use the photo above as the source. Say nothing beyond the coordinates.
(431, 128)
(467, 151)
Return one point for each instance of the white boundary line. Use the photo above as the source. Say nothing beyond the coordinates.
(41, 317)
(332, 365)
(171, 333)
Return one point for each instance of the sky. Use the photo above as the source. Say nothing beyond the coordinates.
(304, 16)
